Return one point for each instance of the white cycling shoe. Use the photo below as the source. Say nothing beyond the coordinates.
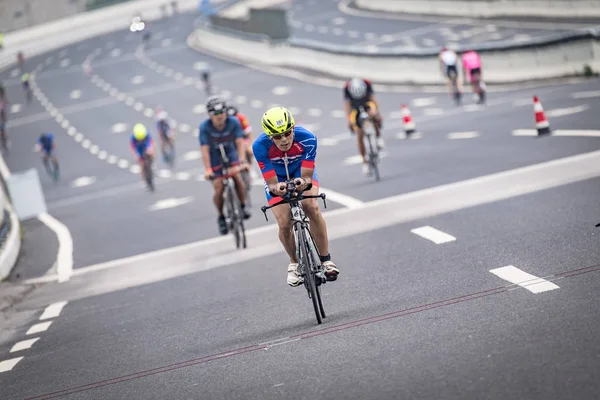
(293, 278)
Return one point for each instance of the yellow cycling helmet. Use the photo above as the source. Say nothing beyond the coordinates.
(25, 77)
(277, 120)
(139, 132)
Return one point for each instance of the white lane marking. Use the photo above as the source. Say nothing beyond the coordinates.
(338, 113)
(521, 37)
(435, 235)
(523, 102)
(586, 95)
(423, 102)
(323, 29)
(561, 112)
(339, 21)
(314, 112)
(65, 63)
(185, 128)
(75, 94)
(416, 135)
(530, 282)
(295, 110)
(164, 173)
(119, 128)
(256, 103)
(102, 155)
(170, 203)
(192, 155)
(37, 328)
(94, 149)
(344, 200)
(226, 94)
(137, 80)
(337, 31)
(112, 159)
(148, 112)
(116, 52)
(463, 135)
(53, 310)
(15, 108)
(182, 176)
(86, 144)
(71, 131)
(200, 109)
(178, 76)
(121, 96)
(14, 73)
(64, 258)
(114, 92)
(166, 42)
(135, 169)
(328, 141)
(281, 90)
(558, 132)
(130, 101)
(83, 181)
(428, 42)
(123, 164)
(65, 124)
(60, 118)
(23, 345)
(472, 107)
(200, 66)
(353, 34)
(433, 111)
(7, 365)
(357, 159)
(139, 106)
(241, 99)
(189, 81)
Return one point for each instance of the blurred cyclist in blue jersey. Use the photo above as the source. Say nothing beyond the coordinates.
(282, 138)
(141, 144)
(221, 128)
(165, 133)
(46, 146)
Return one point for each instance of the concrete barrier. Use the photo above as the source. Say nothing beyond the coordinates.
(560, 58)
(485, 8)
(10, 243)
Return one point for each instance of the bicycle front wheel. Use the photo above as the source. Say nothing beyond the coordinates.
(373, 159)
(309, 269)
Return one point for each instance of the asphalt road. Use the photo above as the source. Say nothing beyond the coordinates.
(340, 22)
(206, 320)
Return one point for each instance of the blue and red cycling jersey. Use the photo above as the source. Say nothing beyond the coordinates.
(140, 146)
(270, 159)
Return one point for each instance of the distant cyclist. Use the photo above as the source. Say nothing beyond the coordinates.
(46, 146)
(358, 93)
(205, 77)
(246, 128)
(221, 128)
(165, 133)
(141, 144)
(283, 138)
(449, 66)
(20, 60)
(472, 69)
(26, 85)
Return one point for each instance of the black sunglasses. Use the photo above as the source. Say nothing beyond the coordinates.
(279, 136)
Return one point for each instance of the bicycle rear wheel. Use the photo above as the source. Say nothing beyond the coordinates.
(373, 159)
(309, 274)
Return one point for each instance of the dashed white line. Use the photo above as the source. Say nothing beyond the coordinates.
(165, 173)
(530, 282)
(585, 95)
(138, 106)
(280, 90)
(137, 80)
(123, 164)
(182, 176)
(53, 310)
(170, 203)
(561, 112)
(435, 235)
(83, 181)
(314, 112)
(37, 328)
(240, 99)
(76, 94)
(463, 135)
(7, 365)
(23, 345)
(256, 103)
(112, 159)
(102, 155)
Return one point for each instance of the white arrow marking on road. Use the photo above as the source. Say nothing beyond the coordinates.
(170, 203)
(15, 108)
(24, 344)
(463, 135)
(37, 328)
(53, 310)
(137, 80)
(435, 235)
(119, 128)
(192, 155)
(281, 90)
(424, 102)
(7, 365)
(523, 279)
(81, 182)
(75, 94)
(561, 112)
(586, 95)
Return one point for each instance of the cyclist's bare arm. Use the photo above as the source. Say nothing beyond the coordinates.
(204, 149)
(347, 107)
(240, 144)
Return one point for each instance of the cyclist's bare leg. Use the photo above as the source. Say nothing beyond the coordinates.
(240, 187)
(377, 118)
(219, 190)
(360, 134)
(286, 236)
(318, 227)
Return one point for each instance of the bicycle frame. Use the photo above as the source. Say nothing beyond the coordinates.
(373, 154)
(234, 218)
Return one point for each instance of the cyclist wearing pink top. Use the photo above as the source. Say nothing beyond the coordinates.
(472, 66)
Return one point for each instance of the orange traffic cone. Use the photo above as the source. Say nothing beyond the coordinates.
(541, 123)
(409, 125)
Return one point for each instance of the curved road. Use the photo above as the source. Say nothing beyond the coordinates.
(205, 320)
(339, 22)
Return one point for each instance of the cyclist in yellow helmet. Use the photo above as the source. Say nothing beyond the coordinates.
(281, 138)
(141, 143)
(25, 84)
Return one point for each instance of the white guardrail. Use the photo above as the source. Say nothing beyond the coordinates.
(505, 65)
(487, 8)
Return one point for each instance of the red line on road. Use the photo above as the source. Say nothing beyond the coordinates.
(305, 335)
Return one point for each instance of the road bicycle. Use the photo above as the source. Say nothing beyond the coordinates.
(310, 267)
(51, 167)
(148, 172)
(368, 126)
(455, 92)
(234, 216)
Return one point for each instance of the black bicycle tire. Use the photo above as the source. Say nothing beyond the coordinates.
(315, 253)
(148, 174)
(372, 162)
(309, 276)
